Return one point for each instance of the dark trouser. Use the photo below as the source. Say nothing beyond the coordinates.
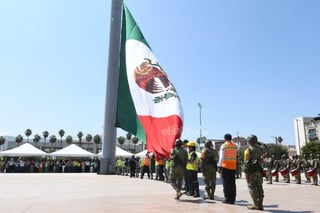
(145, 169)
(132, 171)
(229, 184)
(192, 182)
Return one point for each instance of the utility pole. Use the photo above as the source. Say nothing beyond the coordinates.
(200, 107)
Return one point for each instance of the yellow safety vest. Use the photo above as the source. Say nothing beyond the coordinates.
(192, 165)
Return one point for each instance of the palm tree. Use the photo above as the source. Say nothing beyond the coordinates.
(61, 133)
(69, 139)
(52, 140)
(88, 139)
(128, 136)
(19, 139)
(28, 132)
(135, 140)
(36, 139)
(121, 140)
(80, 135)
(97, 140)
(2, 140)
(45, 135)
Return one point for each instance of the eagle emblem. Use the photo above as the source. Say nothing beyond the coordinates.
(153, 79)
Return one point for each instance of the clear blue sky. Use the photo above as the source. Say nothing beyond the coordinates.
(253, 65)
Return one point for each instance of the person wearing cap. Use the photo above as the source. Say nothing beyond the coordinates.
(178, 158)
(208, 165)
(254, 172)
(192, 171)
(227, 167)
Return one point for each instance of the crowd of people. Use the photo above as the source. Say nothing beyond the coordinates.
(182, 168)
(295, 167)
(21, 165)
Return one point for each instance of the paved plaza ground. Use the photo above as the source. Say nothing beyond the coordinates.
(89, 192)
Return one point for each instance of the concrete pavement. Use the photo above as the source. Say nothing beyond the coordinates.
(88, 192)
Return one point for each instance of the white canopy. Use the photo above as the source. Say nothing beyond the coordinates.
(119, 152)
(72, 151)
(23, 150)
(142, 153)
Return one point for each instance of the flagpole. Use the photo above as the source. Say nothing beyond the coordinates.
(107, 162)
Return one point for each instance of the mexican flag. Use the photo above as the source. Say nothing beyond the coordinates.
(148, 105)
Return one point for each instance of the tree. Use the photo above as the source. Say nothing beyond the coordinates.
(45, 135)
(69, 139)
(88, 139)
(2, 140)
(128, 136)
(273, 149)
(28, 132)
(97, 140)
(311, 148)
(277, 150)
(61, 133)
(135, 140)
(52, 140)
(19, 139)
(80, 135)
(121, 140)
(36, 139)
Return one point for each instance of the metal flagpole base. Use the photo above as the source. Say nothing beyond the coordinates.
(107, 167)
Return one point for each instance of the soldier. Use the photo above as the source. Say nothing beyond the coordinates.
(152, 166)
(276, 166)
(285, 168)
(313, 166)
(296, 167)
(178, 158)
(254, 171)
(132, 166)
(306, 167)
(269, 165)
(208, 165)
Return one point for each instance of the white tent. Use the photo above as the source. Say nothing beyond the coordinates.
(142, 153)
(24, 150)
(119, 152)
(72, 151)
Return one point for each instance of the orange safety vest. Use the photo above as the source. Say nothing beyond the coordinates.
(230, 156)
(159, 162)
(146, 161)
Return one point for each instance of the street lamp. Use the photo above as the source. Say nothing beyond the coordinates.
(200, 107)
(276, 138)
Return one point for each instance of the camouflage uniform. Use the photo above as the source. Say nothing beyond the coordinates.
(208, 165)
(313, 165)
(285, 165)
(276, 165)
(269, 164)
(296, 164)
(306, 167)
(254, 152)
(179, 158)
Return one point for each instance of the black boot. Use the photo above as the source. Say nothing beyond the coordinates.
(196, 190)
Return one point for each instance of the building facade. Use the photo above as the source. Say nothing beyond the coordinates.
(306, 130)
